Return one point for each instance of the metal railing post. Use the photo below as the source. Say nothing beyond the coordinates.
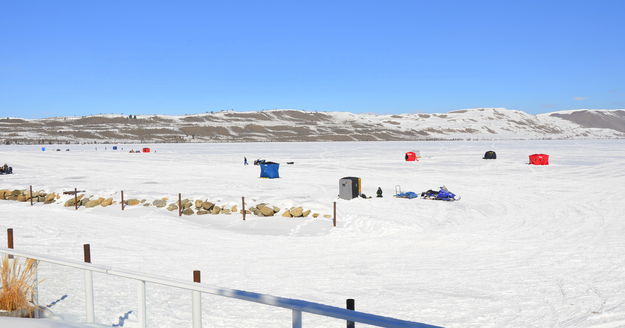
(297, 319)
(141, 310)
(197, 302)
(89, 308)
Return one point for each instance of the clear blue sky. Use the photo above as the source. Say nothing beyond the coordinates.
(174, 57)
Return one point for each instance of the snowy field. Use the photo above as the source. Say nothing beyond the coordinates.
(527, 246)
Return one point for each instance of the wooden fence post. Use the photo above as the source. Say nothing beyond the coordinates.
(197, 302)
(75, 198)
(89, 308)
(334, 217)
(10, 240)
(123, 200)
(179, 204)
(243, 206)
(31, 195)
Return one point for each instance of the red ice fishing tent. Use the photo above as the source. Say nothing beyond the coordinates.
(539, 159)
(410, 156)
(146, 150)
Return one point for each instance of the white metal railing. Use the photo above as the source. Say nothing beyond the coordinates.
(297, 306)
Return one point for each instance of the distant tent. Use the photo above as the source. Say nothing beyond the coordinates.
(490, 155)
(43, 148)
(269, 170)
(146, 150)
(410, 156)
(539, 159)
(114, 147)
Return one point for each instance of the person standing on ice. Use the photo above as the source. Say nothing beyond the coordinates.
(244, 160)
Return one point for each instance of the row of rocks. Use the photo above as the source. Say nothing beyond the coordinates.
(189, 207)
(25, 196)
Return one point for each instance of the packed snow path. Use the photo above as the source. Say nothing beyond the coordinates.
(527, 246)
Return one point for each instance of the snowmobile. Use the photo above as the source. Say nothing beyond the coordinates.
(442, 194)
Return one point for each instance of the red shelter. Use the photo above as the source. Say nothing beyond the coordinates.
(410, 156)
(146, 150)
(539, 159)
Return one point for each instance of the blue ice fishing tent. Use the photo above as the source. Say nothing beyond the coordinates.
(269, 170)
(114, 147)
(43, 148)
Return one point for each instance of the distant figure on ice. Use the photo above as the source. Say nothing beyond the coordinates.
(244, 160)
(379, 192)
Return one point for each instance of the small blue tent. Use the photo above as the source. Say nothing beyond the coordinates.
(269, 170)
(114, 147)
(43, 148)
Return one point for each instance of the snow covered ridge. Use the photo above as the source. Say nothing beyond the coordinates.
(297, 125)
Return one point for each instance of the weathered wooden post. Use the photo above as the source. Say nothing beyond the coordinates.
(10, 240)
(31, 195)
(88, 285)
(75, 198)
(123, 200)
(351, 306)
(243, 206)
(334, 217)
(196, 302)
(179, 204)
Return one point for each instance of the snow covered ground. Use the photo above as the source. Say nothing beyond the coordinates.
(527, 246)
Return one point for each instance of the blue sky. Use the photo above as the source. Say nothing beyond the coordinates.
(175, 57)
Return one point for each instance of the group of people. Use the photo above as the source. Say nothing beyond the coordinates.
(5, 169)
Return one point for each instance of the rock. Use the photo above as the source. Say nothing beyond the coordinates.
(225, 211)
(265, 210)
(172, 207)
(246, 212)
(146, 204)
(50, 197)
(159, 203)
(21, 198)
(16, 192)
(132, 202)
(286, 214)
(3, 192)
(41, 199)
(276, 209)
(297, 211)
(106, 202)
(327, 216)
(92, 203)
(306, 213)
(83, 202)
(187, 211)
(315, 215)
(186, 203)
(198, 203)
(202, 212)
(143, 201)
(216, 209)
(234, 209)
(207, 205)
(69, 202)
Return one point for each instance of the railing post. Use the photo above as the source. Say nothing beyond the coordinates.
(76, 198)
(122, 200)
(197, 302)
(31, 195)
(10, 240)
(334, 217)
(141, 311)
(351, 306)
(88, 286)
(297, 319)
(179, 204)
(243, 207)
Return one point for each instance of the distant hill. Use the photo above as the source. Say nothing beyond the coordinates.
(297, 125)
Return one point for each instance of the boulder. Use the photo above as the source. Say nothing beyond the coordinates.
(187, 211)
(276, 209)
(198, 203)
(207, 205)
(327, 216)
(106, 202)
(265, 210)
(306, 213)
(216, 210)
(202, 212)
(50, 197)
(16, 192)
(21, 198)
(234, 209)
(186, 203)
(3, 192)
(132, 202)
(225, 211)
(41, 199)
(83, 202)
(296, 211)
(159, 203)
(286, 214)
(146, 204)
(246, 212)
(92, 203)
(172, 207)
(315, 215)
